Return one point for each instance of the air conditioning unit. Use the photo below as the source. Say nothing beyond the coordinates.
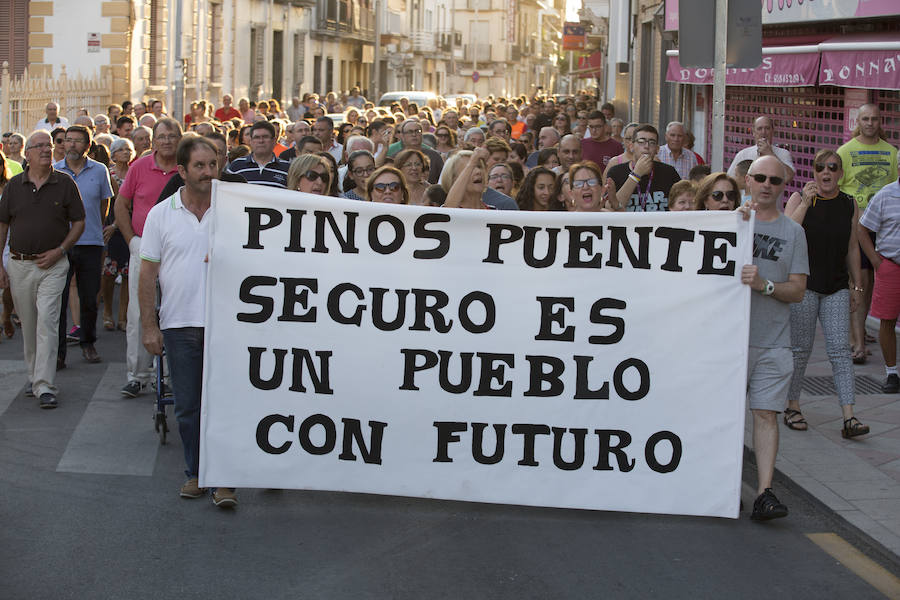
(390, 48)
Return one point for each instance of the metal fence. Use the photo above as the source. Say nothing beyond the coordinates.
(23, 99)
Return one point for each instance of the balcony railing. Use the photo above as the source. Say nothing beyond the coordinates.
(423, 41)
(478, 52)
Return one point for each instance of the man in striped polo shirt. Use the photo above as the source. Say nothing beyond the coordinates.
(262, 166)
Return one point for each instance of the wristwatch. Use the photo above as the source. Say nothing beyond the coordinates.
(769, 289)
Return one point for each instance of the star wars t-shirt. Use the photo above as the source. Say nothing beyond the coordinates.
(652, 193)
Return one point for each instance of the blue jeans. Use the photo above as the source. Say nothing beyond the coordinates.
(184, 349)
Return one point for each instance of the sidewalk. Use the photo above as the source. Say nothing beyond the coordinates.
(859, 478)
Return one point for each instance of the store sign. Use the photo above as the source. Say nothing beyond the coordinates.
(776, 70)
(800, 11)
(873, 69)
(574, 36)
(93, 42)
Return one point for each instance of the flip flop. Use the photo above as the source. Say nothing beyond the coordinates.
(859, 357)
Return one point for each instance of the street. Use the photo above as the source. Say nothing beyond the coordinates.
(90, 509)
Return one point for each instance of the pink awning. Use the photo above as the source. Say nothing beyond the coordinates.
(776, 70)
(869, 68)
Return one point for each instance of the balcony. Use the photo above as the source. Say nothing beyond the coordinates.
(395, 24)
(478, 52)
(423, 41)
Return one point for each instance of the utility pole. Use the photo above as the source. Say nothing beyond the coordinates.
(376, 55)
(718, 127)
(180, 66)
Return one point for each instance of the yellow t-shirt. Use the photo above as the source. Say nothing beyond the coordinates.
(867, 169)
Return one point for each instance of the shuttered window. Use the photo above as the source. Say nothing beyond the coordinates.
(14, 35)
(158, 31)
(216, 41)
(257, 60)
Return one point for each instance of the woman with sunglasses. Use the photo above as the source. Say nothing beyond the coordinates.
(333, 188)
(414, 165)
(828, 217)
(587, 191)
(360, 165)
(446, 141)
(387, 185)
(309, 173)
(562, 124)
(717, 191)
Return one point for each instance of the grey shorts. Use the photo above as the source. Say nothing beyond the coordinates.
(769, 373)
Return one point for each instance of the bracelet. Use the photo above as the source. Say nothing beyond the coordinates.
(856, 288)
(632, 176)
(62, 249)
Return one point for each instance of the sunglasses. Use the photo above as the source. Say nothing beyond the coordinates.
(760, 178)
(832, 166)
(392, 186)
(580, 183)
(315, 175)
(719, 194)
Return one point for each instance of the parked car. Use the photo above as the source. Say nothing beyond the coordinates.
(420, 98)
(451, 98)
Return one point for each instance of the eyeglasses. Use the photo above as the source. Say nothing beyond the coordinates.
(760, 178)
(171, 137)
(580, 183)
(75, 141)
(315, 175)
(392, 186)
(719, 194)
(40, 146)
(596, 125)
(442, 135)
(646, 142)
(499, 177)
(832, 166)
(362, 171)
(416, 130)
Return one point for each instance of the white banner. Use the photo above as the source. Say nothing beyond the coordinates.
(549, 359)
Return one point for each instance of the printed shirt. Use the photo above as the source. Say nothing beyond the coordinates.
(883, 217)
(867, 169)
(683, 164)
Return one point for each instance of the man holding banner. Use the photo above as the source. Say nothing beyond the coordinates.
(778, 273)
(174, 249)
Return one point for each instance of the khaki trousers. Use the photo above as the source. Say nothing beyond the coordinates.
(36, 293)
(139, 361)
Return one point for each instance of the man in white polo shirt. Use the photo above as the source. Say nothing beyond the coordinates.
(174, 249)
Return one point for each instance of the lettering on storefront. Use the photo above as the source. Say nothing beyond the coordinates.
(867, 68)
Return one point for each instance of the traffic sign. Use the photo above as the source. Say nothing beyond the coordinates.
(475, 76)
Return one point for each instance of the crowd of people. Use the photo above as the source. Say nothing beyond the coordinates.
(124, 197)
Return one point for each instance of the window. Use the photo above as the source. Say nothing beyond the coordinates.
(158, 33)
(257, 59)
(215, 41)
(299, 59)
(14, 35)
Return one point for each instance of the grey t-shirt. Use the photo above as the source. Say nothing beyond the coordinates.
(779, 249)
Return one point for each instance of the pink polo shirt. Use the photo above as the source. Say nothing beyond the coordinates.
(143, 184)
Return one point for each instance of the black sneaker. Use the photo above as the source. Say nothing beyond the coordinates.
(48, 400)
(767, 507)
(891, 384)
(132, 389)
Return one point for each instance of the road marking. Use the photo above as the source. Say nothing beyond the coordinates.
(867, 569)
(115, 435)
(12, 379)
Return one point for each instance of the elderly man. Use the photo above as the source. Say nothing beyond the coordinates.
(101, 123)
(410, 132)
(295, 132)
(547, 138)
(142, 138)
(870, 163)
(85, 257)
(777, 278)
(673, 152)
(41, 210)
(227, 111)
(262, 166)
(763, 130)
(146, 178)
(52, 120)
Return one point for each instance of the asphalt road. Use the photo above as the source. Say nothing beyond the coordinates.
(71, 531)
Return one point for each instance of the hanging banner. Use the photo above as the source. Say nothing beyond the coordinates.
(538, 358)
(574, 36)
(776, 70)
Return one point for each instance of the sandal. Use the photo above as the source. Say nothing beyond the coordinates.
(794, 420)
(852, 428)
(767, 507)
(16, 320)
(859, 356)
(109, 325)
